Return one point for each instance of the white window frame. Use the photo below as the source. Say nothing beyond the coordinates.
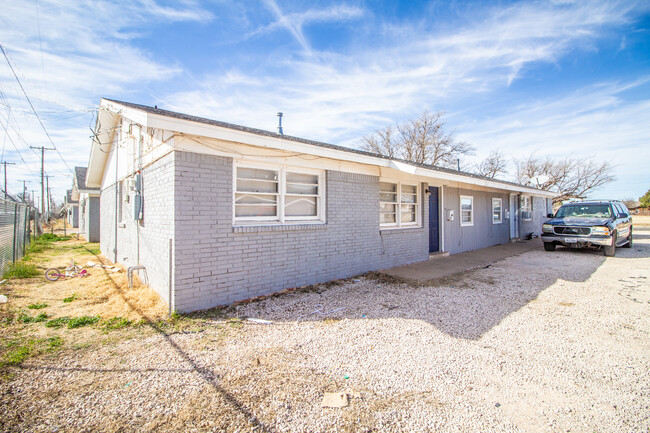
(500, 201)
(526, 206)
(471, 213)
(280, 218)
(398, 213)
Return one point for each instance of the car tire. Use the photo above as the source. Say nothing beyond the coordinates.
(629, 240)
(549, 246)
(610, 250)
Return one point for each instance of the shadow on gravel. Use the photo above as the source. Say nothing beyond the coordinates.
(206, 374)
(463, 305)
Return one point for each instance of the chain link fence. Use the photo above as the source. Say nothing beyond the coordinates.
(16, 230)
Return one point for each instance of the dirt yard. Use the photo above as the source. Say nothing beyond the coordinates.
(544, 341)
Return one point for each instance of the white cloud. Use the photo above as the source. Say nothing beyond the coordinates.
(294, 22)
(339, 97)
(87, 52)
(593, 122)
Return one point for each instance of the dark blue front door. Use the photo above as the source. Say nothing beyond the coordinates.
(434, 228)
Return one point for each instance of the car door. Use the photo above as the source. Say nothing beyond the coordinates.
(628, 220)
(623, 222)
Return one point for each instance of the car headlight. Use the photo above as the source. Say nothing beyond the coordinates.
(600, 231)
(547, 228)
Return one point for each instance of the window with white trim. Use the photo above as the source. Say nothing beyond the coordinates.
(277, 195)
(526, 208)
(497, 211)
(399, 205)
(466, 210)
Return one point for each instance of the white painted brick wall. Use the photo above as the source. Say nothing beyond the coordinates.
(188, 198)
(216, 264)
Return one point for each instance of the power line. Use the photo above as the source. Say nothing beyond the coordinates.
(17, 151)
(33, 109)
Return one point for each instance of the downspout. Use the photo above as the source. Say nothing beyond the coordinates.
(117, 198)
(137, 223)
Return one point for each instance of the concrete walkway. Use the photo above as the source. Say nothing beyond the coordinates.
(444, 266)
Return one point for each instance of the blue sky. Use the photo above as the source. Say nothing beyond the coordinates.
(565, 78)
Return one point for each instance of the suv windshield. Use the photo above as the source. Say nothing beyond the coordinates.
(585, 211)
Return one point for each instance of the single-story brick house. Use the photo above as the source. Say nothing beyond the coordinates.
(219, 212)
(72, 209)
(88, 211)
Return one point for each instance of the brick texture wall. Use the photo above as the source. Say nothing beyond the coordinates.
(143, 242)
(216, 263)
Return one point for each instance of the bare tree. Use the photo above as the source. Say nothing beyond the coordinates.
(421, 140)
(630, 202)
(493, 165)
(382, 142)
(569, 178)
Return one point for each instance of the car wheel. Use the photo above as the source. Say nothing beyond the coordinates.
(610, 250)
(549, 246)
(629, 240)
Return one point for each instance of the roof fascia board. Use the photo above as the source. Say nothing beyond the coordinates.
(218, 132)
(482, 182)
(108, 120)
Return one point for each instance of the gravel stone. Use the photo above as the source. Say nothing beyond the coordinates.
(544, 341)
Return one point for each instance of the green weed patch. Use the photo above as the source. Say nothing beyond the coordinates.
(58, 322)
(26, 318)
(70, 298)
(78, 322)
(116, 323)
(20, 270)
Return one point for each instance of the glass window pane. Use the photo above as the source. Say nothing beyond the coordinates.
(408, 198)
(409, 189)
(256, 186)
(255, 199)
(255, 210)
(408, 213)
(386, 207)
(294, 188)
(387, 218)
(300, 206)
(466, 217)
(385, 196)
(256, 173)
(387, 187)
(302, 178)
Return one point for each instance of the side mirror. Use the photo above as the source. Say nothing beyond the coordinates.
(549, 215)
(623, 215)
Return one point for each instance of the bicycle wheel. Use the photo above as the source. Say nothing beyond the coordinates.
(52, 274)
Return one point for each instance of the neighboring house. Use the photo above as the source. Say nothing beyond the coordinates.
(72, 208)
(89, 207)
(218, 212)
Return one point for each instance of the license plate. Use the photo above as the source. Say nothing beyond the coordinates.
(571, 240)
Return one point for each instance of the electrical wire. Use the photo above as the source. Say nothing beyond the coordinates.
(33, 109)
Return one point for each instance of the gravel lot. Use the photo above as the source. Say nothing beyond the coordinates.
(545, 341)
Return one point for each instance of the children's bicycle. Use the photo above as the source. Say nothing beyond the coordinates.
(71, 271)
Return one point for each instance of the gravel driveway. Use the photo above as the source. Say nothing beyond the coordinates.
(544, 341)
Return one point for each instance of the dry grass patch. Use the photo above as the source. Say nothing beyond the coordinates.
(101, 293)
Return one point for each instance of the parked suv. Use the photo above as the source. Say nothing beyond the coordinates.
(605, 224)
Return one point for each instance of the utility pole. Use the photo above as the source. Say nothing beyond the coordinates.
(43, 149)
(48, 193)
(25, 182)
(5, 164)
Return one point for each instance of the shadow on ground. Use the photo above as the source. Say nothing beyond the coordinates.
(463, 305)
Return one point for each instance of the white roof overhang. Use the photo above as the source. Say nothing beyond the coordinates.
(110, 113)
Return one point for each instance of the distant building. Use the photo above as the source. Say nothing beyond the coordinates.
(88, 206)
